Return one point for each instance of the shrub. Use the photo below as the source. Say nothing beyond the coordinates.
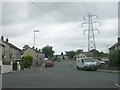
(27, 61)
(114, 57)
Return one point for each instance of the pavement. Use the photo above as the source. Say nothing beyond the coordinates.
(109, 71)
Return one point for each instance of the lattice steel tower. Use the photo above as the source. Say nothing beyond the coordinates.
(90, 29)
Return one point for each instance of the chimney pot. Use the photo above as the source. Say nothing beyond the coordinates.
(118, 39)
(2, 38)
(36, 48)
(7, 40)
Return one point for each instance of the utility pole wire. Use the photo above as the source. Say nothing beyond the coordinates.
(85, 7)
(45, 10)
(58, 9)
(63, 12)
(51, 14)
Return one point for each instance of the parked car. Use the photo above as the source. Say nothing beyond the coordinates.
(99, 63)
(49, 63)
(87, 63)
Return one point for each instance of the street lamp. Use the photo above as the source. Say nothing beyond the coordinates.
(34, 36)
(34, 45)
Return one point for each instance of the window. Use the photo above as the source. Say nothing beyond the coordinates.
(82, 60)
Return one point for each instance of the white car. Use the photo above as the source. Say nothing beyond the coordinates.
(99, 62)
(87, 63)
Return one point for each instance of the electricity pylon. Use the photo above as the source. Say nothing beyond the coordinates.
(90, 30)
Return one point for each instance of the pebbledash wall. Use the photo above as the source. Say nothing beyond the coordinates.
(8, 54)
(6, 68)
(9, 68)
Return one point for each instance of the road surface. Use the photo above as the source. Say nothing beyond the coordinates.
(62, 75)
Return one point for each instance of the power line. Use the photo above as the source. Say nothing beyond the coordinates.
(45, 10)
(86, 7)
(63, 13)
(51, 14)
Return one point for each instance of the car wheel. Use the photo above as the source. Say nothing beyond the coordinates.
(85, 68)
(45, 65)
(95, 69)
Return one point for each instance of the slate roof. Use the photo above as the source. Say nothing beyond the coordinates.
(11, 45)
(115, 45)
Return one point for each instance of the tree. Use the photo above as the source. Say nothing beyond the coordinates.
(55, 57)
(95, 52)
(114, 57)
(26, 46)
(70, 54)
(27, 61)
(47, 50)
(79, 51)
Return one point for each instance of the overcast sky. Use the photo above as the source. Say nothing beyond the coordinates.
(59, 24)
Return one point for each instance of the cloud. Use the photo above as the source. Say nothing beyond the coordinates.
(59, 24)
(13, 12)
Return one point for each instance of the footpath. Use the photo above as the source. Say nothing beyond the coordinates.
(109, 71)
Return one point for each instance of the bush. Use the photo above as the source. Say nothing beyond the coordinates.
(114, 57)
(27, 61)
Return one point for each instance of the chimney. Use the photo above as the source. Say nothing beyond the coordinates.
(7, 40)
(118, 39)
(33, 47)
(36, 48)
(2, 38)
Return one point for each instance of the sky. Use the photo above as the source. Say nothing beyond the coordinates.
(59, 24)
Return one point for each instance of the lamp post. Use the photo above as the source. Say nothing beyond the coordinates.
(34, 47)
(34, 36)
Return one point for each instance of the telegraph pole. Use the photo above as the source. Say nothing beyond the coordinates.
(90, 30)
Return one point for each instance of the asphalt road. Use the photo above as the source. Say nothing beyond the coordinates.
(62, 75)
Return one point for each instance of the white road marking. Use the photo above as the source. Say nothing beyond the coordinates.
(117, 85)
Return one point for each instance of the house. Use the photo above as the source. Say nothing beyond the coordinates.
(66, 57)
(10, 53)
(89, 54)
(62, 57)
(37, 55)
(116, 46)
(81, 55)
(1, 49)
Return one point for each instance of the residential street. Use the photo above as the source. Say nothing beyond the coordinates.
(62, 75)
